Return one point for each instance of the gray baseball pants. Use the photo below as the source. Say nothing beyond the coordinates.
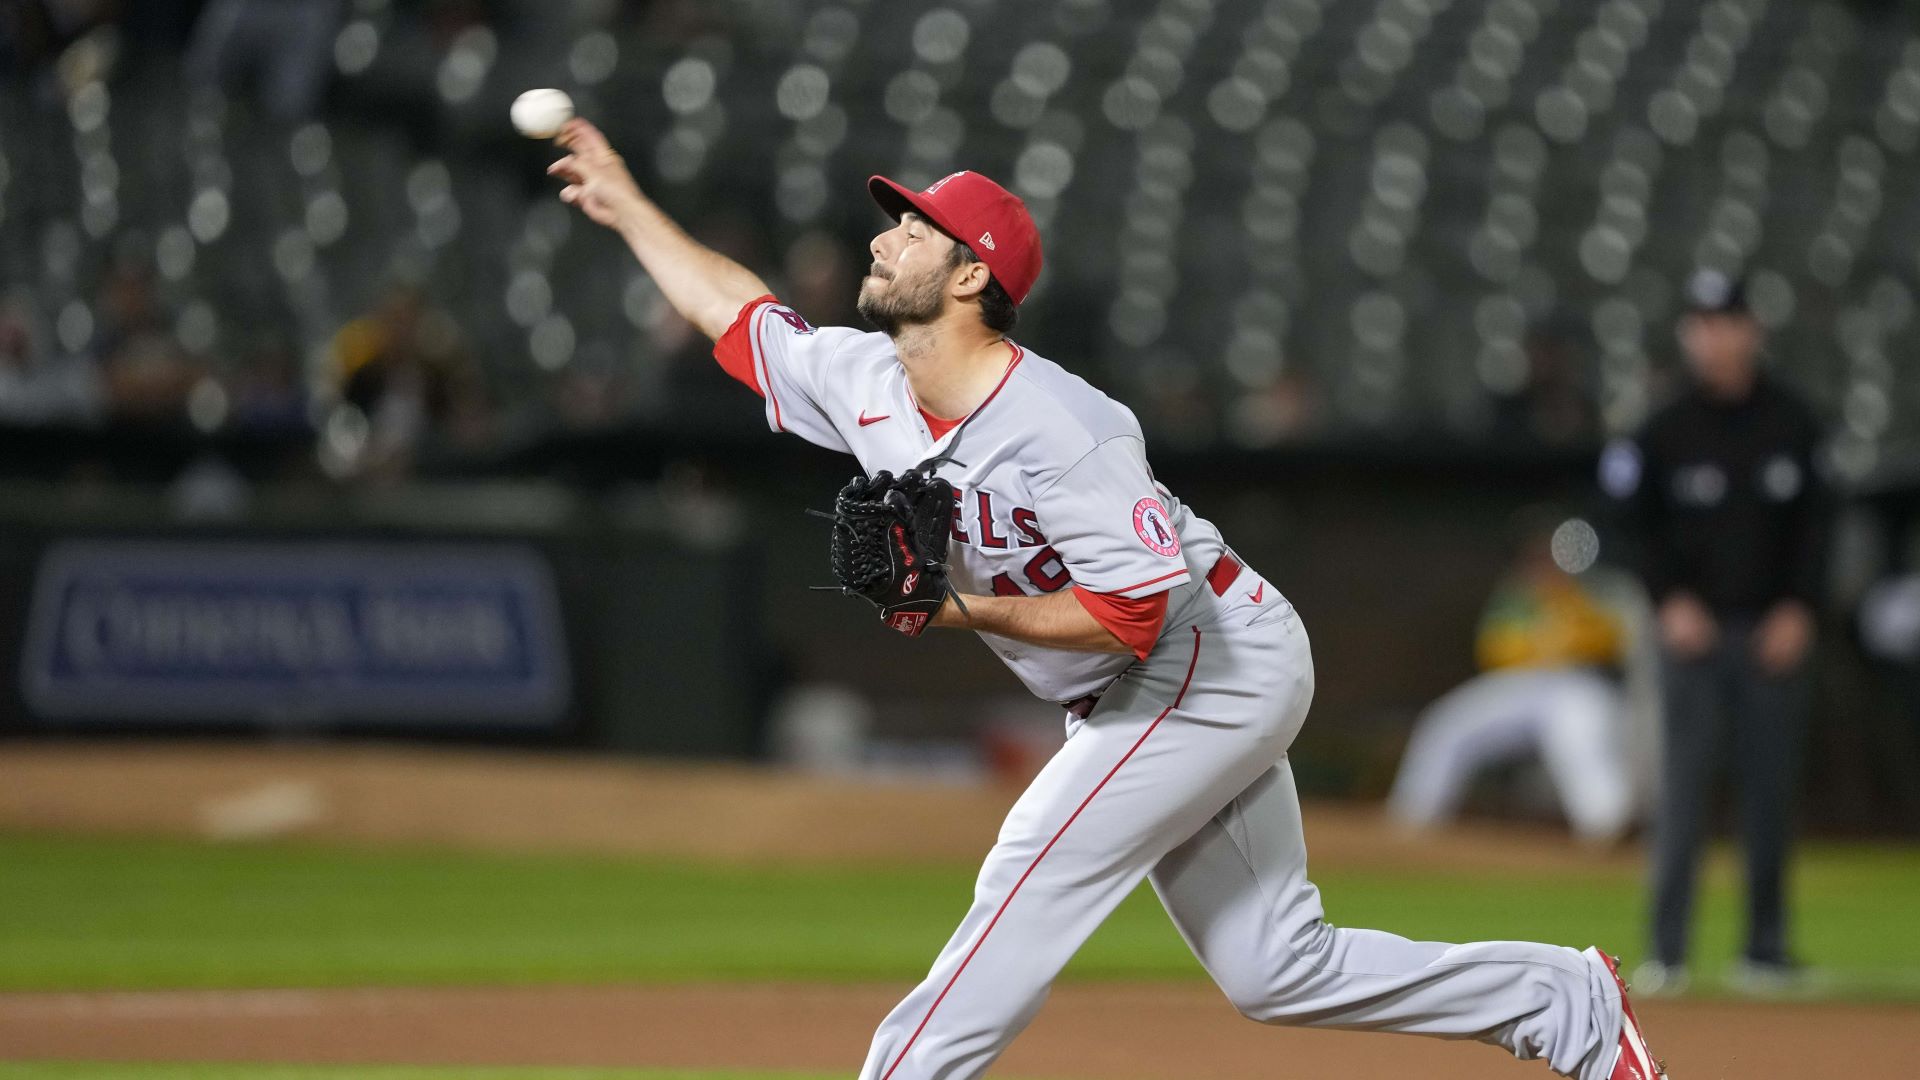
(1180, 776)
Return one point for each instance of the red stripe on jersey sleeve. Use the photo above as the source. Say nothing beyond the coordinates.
(1136, 623)
(734, 349)
(1180, 573)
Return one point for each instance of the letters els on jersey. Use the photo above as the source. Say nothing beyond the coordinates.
(976, 521)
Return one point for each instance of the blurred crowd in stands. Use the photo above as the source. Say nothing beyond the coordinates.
(307, 220)
(1261, 241)
(132, 350)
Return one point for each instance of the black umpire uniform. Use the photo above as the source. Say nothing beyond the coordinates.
(1726, 505)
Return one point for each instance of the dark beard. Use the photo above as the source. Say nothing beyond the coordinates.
(899, 308)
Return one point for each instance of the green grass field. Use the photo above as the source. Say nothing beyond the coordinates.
(134, 914)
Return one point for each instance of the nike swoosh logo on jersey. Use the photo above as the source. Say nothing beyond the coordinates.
(865, 419)
(1256, 594)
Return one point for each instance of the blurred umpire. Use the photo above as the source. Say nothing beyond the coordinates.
(1726, 507)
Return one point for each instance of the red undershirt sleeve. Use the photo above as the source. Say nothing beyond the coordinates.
(1135, 622)
(734, 349)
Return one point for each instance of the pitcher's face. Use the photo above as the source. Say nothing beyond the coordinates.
(907, 283)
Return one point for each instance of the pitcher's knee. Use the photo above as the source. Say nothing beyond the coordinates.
(1249, 991)
(1260, 985)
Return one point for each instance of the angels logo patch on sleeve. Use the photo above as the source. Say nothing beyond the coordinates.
(1155, 527)
(792, 319)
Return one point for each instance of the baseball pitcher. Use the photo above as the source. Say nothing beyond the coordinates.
(1002, 494)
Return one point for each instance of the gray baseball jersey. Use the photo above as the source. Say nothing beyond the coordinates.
(1178, 775)
(1051, 477)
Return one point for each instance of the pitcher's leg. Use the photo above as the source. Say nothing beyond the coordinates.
(1239, 894)
(1160, 755)
(1039, 894)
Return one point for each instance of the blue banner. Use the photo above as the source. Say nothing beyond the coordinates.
(296, 631)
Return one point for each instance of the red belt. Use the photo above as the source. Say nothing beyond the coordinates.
(1222, 576)
(1219, 579)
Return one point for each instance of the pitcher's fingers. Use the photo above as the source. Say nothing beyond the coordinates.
(567, 168)
(572, 193)
(581, 137)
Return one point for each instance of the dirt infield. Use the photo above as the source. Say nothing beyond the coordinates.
(1092, 1032)
(500, 801)
(497, 801)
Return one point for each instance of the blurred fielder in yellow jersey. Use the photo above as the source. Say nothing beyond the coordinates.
(1549, 652)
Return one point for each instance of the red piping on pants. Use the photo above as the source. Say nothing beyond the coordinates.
(1124, 758)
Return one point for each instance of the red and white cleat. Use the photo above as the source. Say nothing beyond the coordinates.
(1636, 1062)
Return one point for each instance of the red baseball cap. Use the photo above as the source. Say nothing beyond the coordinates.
(980, 214)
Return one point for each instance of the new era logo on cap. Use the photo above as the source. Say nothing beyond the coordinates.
(964, 204)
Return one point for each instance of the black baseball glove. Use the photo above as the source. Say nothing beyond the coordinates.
(889, 545)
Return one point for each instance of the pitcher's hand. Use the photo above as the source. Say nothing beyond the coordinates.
(597, 178)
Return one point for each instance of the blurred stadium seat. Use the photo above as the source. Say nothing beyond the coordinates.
(1266, 221)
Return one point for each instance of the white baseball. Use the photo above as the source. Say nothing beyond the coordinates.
(539, 114)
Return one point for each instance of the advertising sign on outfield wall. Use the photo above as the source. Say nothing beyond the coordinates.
(298, 631)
